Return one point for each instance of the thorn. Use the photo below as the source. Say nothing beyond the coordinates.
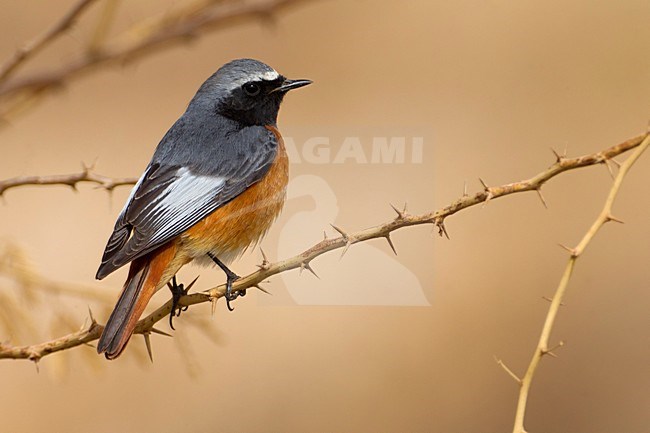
(390, 242)
(258, 287)
(618, 164)
(189, 286)
(541, 197)
(558, 157)
(549, 352)
(345, 249)
(613, 218)
(265, 261)
(345, 237)
(488, 198)
(442, 230)
(465, 188)
(546, 298)
(88, 167)
(264, 258)
(341, 232)
(573, 251)
(35, 360)
(158, 331)
(609, 168)
(147, 342)
(487, 190)
(306, 265)
(213, 301)
(507, 370)
(324, 235)
(401, 214)
(92, 318)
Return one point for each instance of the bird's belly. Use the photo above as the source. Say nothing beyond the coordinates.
(231, 229)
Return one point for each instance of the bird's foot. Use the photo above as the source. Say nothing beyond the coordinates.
(178, 291)
(231, 277)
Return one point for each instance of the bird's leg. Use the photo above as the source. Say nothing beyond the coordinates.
(231, 277)
(178, 291)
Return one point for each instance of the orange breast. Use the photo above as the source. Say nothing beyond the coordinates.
(232, 228)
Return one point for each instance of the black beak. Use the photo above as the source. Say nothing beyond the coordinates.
(290, 85)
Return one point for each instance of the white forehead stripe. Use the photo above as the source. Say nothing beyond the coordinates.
(269, 75)
(260, 76)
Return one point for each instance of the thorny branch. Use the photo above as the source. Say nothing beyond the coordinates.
(71, 180)
(543, 344)
(303, 260)
(140, 41)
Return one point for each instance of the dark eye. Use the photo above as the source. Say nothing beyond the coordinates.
(252, 89)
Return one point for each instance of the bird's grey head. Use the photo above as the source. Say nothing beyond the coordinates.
(245, 90)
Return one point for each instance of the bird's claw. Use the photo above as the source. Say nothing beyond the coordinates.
(178, 291)
(230, 295)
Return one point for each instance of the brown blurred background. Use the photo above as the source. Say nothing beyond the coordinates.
(490, 86)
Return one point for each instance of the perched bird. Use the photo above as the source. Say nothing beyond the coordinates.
(215, 183)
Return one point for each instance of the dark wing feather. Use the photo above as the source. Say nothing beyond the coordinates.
(169, 199)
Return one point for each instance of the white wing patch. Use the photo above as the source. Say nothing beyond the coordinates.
(181, 201)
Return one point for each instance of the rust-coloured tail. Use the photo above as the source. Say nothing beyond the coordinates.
(144, 279)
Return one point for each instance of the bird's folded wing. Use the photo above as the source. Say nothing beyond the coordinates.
(167, 200)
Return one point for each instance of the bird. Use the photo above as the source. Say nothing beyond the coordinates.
(214, 185)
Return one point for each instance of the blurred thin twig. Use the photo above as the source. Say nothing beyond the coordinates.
(303, 260)
(71, 180)
(33, 47)
(141, 40)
